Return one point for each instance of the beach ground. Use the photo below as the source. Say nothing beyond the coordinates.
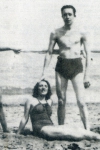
(27, 141)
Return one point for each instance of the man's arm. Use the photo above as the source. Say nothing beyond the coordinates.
(87, 62)
(48, 56)
(25, 117)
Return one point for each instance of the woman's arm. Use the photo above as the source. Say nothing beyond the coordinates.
(25, 117)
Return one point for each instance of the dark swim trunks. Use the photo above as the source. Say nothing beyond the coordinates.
(69, 68)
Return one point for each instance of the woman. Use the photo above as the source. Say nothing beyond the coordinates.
(39, 110)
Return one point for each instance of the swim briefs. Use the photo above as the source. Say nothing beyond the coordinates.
(69, 68)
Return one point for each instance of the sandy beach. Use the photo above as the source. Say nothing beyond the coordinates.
(17, 81)
(30, 142)
(26, 25)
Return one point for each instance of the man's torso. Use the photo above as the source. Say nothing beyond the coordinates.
(69, 42)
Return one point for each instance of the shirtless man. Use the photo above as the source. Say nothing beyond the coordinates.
(2, 115)
(69, 65)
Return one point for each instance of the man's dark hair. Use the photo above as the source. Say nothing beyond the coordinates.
(35, 90)
(69, 6)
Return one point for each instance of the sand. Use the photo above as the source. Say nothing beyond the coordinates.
(30, 142)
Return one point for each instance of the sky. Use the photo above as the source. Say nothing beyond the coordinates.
(27, 24)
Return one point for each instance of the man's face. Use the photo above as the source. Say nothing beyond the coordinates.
(68, 16)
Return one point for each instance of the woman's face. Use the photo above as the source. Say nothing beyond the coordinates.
(43, 88)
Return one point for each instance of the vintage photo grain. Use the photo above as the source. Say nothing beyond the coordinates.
(49, 75)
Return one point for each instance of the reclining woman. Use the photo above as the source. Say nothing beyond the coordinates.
(39, 110)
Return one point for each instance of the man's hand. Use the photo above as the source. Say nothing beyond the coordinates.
(86, 82)
(42, 77)
(87, 85)
(16, 51)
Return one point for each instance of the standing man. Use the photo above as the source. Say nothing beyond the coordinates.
(69, 65)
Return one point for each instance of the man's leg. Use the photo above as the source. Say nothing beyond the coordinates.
(61, 87)
(77, 82)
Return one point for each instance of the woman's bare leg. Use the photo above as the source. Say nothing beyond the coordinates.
(62, 132)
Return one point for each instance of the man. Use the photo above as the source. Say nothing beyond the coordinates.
(2, 118)
(2, 115)
(69, 65)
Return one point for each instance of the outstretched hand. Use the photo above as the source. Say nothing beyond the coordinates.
(16, 51)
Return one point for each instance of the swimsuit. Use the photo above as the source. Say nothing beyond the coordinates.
(40, 116)
(69, 68)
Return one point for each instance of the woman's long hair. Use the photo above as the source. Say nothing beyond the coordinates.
(35, 90)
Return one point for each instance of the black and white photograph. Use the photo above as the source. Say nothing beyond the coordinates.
(49, 75)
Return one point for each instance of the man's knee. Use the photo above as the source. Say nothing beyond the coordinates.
(61, 94)
(58, 92)
(61, 103)
(61, 99)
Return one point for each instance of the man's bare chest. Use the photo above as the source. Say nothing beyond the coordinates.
(68, 38)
